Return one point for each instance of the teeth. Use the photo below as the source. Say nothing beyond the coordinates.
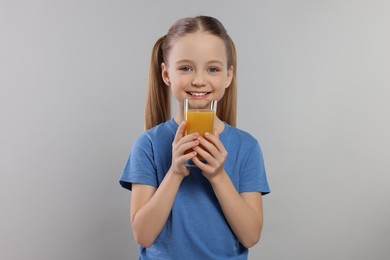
(198, 94)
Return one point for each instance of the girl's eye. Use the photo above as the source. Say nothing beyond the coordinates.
(185, 69)
(213, 69)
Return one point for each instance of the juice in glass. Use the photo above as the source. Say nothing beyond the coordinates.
(200, 120)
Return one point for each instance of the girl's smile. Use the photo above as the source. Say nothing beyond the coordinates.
(199, 95)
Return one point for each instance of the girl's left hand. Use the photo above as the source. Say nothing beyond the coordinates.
(214, 153)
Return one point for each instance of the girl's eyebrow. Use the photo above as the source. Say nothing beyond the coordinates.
(190, 61)
(216, 61)
(183, 61)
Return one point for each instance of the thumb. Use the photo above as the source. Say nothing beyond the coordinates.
(216, 132)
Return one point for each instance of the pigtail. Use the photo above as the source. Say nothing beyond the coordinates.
(157, 109)
(227, 106)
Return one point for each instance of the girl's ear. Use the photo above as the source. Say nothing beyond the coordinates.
(164, 74)
(230, 74)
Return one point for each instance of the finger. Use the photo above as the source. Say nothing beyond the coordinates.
(188, 156)
(216, 133)
(210, 144)
(187, 139)
(204, 167)
(180, 132)
(187, 146)
(208, 156)
(214, 139)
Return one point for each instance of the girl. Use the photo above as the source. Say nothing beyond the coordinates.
(213, 210)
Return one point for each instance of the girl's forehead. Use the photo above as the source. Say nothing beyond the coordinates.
(198, 39)
(198, 45)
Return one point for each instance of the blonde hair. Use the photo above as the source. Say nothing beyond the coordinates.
(158, 109)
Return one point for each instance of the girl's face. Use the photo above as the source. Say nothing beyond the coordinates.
(197, 68)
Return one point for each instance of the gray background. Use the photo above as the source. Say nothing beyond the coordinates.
(313, 88)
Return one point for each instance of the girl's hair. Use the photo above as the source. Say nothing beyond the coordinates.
(158, 105)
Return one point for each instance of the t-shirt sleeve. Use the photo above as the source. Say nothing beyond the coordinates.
(140, 166)
(253, 175)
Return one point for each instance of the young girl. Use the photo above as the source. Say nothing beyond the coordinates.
(213, 210)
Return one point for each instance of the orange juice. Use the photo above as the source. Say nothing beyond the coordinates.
(201, 121)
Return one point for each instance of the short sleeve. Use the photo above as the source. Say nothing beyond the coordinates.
(253, 176)
(140, 166)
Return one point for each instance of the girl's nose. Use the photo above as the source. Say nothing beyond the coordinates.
(198, 80)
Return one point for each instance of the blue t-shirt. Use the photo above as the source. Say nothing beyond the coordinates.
(196, 227)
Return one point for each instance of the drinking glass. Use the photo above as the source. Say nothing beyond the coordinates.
(200, 118)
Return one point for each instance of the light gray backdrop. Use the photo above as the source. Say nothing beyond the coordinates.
(314, 80)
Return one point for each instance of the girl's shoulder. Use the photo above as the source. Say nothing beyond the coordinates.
(162, 131)
(236, 134)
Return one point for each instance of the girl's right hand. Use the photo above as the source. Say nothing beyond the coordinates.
(180, 145)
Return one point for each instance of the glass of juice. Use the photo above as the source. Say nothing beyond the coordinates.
(200, 117)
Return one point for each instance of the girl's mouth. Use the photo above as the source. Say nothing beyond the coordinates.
(198, 94)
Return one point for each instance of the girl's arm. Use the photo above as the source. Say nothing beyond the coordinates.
(150, 206)
(243, 211)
